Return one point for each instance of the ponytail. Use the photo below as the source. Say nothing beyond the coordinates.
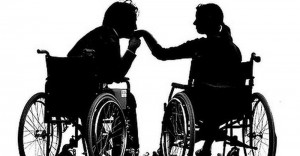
(225, 32)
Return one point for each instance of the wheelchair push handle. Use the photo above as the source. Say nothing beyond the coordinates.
(255, 58)
(43, 52)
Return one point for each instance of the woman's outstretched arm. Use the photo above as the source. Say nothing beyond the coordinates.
(184, 50)
(149, 39)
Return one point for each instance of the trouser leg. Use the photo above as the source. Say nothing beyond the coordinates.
(133, 126)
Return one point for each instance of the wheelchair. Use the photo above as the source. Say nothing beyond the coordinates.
(75, 96)
(252, 129)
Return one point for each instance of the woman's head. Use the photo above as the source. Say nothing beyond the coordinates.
(209, 18)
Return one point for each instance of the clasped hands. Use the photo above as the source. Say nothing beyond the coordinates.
(135, 41)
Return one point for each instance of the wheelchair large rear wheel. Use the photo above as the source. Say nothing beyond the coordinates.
(261, 132)
(107, 133)
(35, 137)
(178, 128)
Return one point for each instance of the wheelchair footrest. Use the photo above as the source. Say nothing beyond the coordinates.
(233, 141)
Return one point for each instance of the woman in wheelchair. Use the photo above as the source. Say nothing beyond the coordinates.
(215, 63)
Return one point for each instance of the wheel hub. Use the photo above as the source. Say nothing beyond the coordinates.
(40, 133)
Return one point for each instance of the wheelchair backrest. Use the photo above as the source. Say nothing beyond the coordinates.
(71, 85)
(245, 71)
(70, 68)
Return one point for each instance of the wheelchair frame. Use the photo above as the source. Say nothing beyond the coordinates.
(107, 114)
(179, 113)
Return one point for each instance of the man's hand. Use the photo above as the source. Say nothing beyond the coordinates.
(134, 43)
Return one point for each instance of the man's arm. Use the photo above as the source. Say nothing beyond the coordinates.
(129, 55)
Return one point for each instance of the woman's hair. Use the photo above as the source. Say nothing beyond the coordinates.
(226, 32)
(119, 12)
(214, 14)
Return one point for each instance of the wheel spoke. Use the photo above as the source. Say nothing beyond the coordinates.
(170, 132)
(30, 131)
(114, 133)
(27, 134)
(31, 124)
(115, 136)
(29, 143)
(37, 120)
(40, 147)
(118, 124)
(260, 120)
(100, 139)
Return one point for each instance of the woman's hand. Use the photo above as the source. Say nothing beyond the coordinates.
(140, 33)
(149, 39)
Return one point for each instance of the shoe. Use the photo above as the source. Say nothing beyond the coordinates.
(157, 153)
(201, 152)
(65, 151)
(234, 152)
(221, 135)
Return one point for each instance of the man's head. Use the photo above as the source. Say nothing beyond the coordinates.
(209, 18)
(122, 17)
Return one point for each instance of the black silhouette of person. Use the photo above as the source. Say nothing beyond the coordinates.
(215, 63)
(119, 22)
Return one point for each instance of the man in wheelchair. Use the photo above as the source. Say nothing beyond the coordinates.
(215, 63)
(99, 50)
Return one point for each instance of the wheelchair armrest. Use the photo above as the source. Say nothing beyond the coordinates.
(124, 79)
(178, 85)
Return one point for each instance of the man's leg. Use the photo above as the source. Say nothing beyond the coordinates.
(133, 126)
(209, 129)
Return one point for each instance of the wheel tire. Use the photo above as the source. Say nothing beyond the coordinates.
(107, 133)
(178, 128)
(33, 133)
(261, 133)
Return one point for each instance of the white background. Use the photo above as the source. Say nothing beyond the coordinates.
(270, 28)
